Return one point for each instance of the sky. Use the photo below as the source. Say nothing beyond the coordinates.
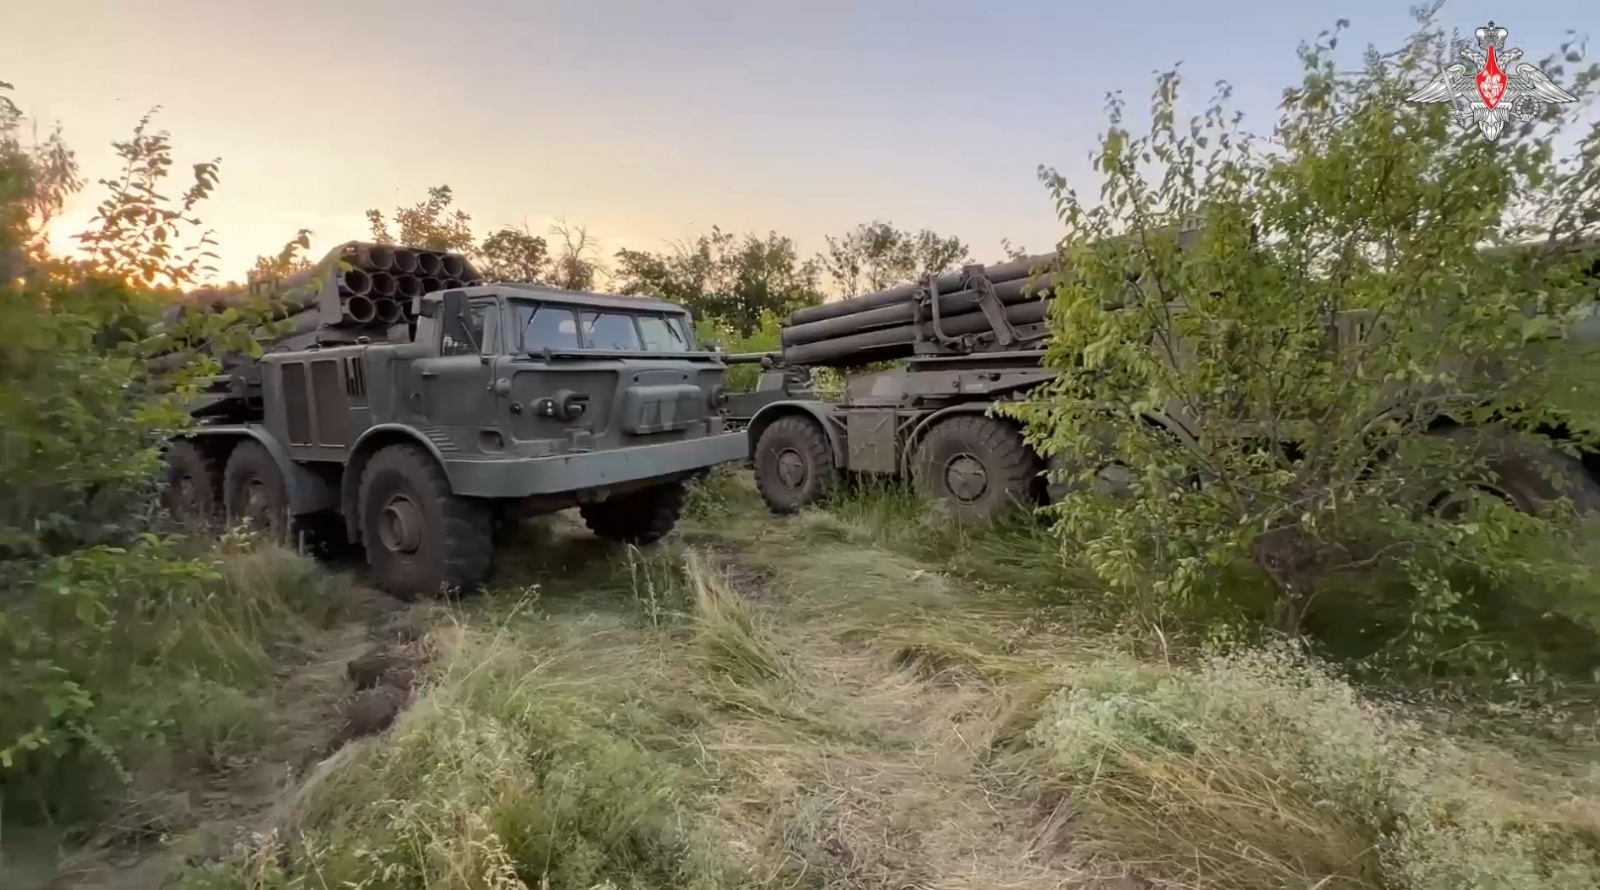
(648, 121)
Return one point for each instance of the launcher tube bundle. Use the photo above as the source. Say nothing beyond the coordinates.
(938, 316)
(358, 289)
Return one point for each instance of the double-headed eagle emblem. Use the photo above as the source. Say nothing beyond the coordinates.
(1492, 96)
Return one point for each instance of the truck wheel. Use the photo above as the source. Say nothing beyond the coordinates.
(1526, 475)
(194, 487)
(794, 464)
(977, 467)
(421, 539)
(638, 517)
(253, 490)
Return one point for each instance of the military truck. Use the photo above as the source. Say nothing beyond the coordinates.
(417, 427)
(963, 342)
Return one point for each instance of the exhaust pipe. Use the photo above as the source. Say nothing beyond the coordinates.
(407, 286)
(429, 263)
(382, 284)
(379, 259)
(405, 262)
(387, 310)
(355, 283)
(431, 284)
(360, 310)
(453, 266)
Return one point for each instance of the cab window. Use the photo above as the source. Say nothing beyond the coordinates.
(547, 327)
(661, 335)
(610, 330)
(455, 340)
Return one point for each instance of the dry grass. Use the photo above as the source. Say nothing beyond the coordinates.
(820, 702)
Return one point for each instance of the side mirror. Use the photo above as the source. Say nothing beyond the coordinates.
(455, 306)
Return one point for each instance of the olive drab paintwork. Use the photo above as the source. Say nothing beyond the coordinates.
(503, 399)
(503, 418)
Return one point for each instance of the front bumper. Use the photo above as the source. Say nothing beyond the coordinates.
(566, 473)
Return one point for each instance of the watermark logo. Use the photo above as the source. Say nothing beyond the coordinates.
(1497, 89)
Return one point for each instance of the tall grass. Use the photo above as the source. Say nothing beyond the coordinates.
(544, 750)
(153, 658)
(1265, 771)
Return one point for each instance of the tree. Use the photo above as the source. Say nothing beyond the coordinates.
(513, 254)
(578, 266)
(1334, 309)
(429, 223)
(291, 259)
(876, 255)
(730, 280)
(136, 233)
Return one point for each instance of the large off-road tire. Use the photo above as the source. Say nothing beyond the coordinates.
(193, 491)
(976, 467)
(794, 465)
(421, 538)
(638, 517)
(253, 491)
(1528, 476)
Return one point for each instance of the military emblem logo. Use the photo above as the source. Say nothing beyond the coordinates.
(1498, 89)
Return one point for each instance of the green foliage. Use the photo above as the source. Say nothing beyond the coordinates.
(1336, 302)
(512, 254)
(742, 377)
(739, 283)
(429, 223)
(100, 606)
(876, 255)
(507, 254)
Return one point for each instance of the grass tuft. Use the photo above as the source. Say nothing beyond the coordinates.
(1263, 770)
(729, 644)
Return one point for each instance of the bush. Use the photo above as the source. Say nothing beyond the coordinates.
(1335, 307)
(114, 636)
(1265, 770)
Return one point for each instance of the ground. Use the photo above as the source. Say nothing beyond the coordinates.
(843, 699)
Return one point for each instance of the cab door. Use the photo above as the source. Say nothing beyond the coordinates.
(459, 398)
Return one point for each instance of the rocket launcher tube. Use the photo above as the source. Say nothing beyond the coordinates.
(903, 313)
(899, 342)
(946, 283)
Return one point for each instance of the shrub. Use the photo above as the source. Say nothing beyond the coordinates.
(1335, 306)
(112, 634)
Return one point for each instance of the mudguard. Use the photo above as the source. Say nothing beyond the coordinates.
(308, 492)
(822, 412)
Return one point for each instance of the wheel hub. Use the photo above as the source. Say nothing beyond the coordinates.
(791, 468)
(257, 505)
(400, 525)
(187, 495)
(965, 478)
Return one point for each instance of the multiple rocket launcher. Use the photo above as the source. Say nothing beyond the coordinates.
(359, 286)
(939, 316)
(358, 290)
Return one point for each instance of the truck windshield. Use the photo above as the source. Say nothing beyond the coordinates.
(558, 327)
